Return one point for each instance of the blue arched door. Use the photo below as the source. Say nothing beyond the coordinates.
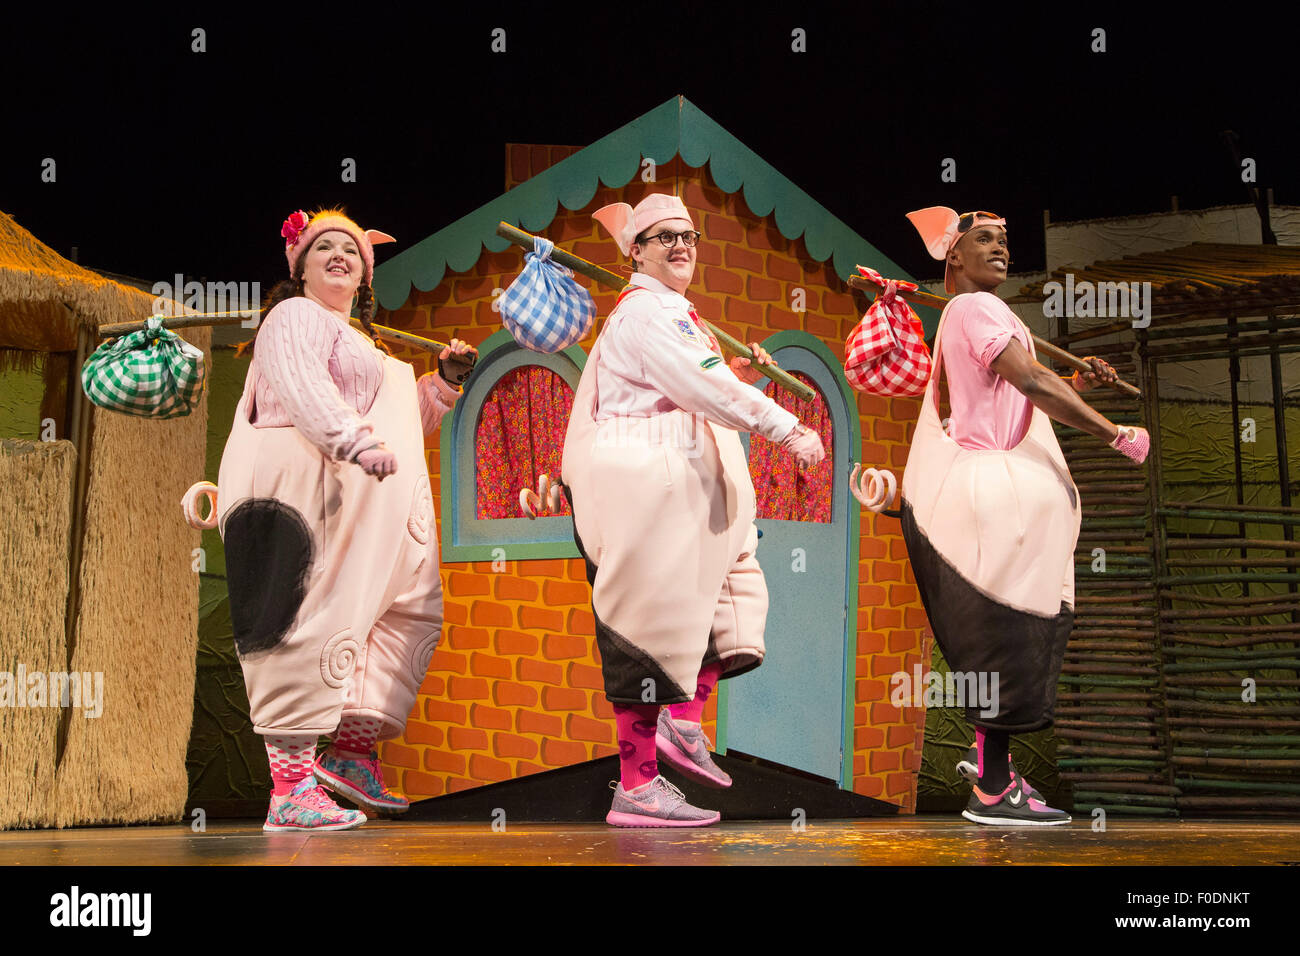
(795, 710)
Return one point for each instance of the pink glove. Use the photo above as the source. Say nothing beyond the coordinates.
(1133, 443)
(378, 461)
(805, 444)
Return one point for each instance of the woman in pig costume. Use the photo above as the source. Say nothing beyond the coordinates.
(327, 519)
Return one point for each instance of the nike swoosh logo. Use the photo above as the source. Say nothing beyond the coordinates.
(650, 807)
(1016, 798)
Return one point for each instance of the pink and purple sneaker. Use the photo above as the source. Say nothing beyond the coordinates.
(361, 781)
(308, 807)
(656, 804)
(688, 751)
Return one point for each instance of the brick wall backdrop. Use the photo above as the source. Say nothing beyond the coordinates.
(515, 686)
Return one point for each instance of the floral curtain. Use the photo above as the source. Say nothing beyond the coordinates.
(784, 492)
(520, 435)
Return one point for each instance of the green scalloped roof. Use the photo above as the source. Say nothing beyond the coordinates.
(676, 127)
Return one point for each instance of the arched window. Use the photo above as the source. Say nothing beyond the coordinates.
(506, 429)
(783, 491)
(520, 435)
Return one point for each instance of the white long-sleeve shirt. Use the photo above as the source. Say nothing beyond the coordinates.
(655, 358)
(314, 371)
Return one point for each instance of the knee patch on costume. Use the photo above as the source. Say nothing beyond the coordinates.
(269, 554)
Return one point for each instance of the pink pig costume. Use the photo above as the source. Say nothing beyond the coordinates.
(990, 515)
(663, 504)
(336, 602)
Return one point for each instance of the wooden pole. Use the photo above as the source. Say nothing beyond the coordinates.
(616, 282)
(1042, 345)
(231, 318)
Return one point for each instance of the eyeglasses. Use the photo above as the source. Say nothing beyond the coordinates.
(967, 219)
(669, 239)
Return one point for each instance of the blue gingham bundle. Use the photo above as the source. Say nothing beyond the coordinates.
(545, 309)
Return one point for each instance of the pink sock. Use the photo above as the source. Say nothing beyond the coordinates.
(291, 757)
(355, 739)
(693, 710)
(637, 762)
(979, 751)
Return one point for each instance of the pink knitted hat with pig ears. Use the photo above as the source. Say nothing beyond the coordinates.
(624, 223)
(300, 231)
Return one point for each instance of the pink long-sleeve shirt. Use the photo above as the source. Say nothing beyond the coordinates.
(317, 373)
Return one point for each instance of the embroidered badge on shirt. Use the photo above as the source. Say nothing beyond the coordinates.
(711, 361)
(685, 330)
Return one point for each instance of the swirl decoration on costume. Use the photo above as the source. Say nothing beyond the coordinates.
(338, 659)
(876, 489)
(544, 501)
(193, 510)
(422, 655)
(421, 519)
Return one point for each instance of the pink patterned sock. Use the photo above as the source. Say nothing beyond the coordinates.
(356, 737)
(291, 757)
(636, 725)
(693, 710)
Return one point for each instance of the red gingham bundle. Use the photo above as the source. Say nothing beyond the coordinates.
(886, 352)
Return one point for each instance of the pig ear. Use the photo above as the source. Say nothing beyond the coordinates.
(937, 225)
(378, 238)
(617, 220)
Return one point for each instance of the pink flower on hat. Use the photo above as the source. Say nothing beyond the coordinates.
(293, 227)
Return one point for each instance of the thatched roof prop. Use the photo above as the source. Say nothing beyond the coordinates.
(46, 299)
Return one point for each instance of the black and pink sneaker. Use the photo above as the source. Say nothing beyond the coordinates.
(1012, 808)
(969, 768)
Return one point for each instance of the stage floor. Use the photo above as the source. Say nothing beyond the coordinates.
(906, 841)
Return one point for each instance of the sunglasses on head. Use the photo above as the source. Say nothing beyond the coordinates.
(967, 219)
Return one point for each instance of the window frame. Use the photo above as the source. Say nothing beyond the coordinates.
(466, 537)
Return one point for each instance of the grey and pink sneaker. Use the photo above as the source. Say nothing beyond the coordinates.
(361, 781)
(688, 751)
(1012, 808)
(656, 804)
(308, 807)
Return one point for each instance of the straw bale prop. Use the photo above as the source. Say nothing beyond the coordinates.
(109, 587)
(35, 513)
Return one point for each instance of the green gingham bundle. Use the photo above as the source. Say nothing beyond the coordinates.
(151, 372)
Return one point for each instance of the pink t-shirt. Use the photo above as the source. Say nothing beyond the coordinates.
(987, 411)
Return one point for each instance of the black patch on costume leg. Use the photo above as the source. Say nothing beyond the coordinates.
(268, 563)
(623, 664)
(1064, 624)
(979, 635)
